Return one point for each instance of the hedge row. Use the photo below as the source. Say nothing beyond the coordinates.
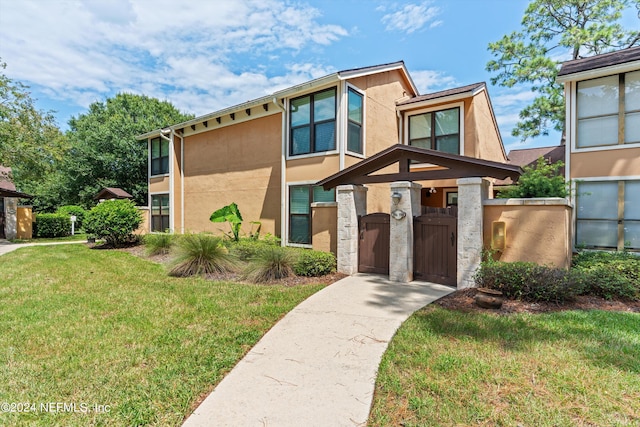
(52, 225)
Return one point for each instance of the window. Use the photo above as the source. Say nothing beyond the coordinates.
(160, 212)
(599, 221)
(313, 123)
(300, 199)
(159, 156)
(602, 120)
(354, 123)
(436, 130)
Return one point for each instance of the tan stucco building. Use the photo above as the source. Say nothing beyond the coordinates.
(267, 155)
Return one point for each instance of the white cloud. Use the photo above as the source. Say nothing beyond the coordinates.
(410, 17)
(432, 81)
(184, 51)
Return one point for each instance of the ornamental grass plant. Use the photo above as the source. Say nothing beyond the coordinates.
(271, 263)
(201, 254)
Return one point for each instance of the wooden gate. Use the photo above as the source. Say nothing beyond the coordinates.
(435, 245)
(373, 245)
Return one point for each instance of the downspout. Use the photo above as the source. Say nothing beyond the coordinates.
(181, 181)
(171, 155)
(400, 126)
(283, 178)
(341, 129)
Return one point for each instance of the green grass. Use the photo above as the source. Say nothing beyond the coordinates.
(572, 368)
(75, 237)
(103, 327)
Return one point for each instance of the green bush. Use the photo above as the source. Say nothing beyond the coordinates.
(530, 282)
(314, 263)
(541, 180)
(158, 243)
(201, 254)
(246, 249)
(271, 263)
(113, 220)
(78, 211)
(610, 274)
(52, 225)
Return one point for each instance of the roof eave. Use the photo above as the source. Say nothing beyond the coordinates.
(599, 72)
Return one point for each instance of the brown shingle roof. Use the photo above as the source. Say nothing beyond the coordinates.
(530, 156)
(5, 179)
(600, 61)
(443, 93)
(112, 193)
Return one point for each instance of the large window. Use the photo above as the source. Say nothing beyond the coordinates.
(608, 214)
(300, 199)
(603, 119)
(313, 123)
(159, 156)
(160, 212)
(436, 130)
(354, 123)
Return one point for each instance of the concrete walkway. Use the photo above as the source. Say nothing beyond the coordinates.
(6, 246)
(318, 365)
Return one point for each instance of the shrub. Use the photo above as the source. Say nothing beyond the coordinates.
(314, 263)
(52, 225)
(113, 220)
(610, 274)
(541, 180)
(78, 211)
(271, 263)
(530, 282)
(158, 243)
(246, 249)
(201, 254)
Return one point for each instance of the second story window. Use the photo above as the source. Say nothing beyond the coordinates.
(159, 156)
(355, 119)
(313, 123)
(609, 110)
(436, 130)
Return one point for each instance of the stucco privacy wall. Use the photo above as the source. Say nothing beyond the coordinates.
(239, 163)
(536, 230)
(324, 226)
(24, 226)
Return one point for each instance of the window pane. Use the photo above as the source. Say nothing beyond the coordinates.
(631, 128)
(597, 200)
(632, 234)
(447, 122)
(299, 232)
(301, 140)
(165, 148)
(155, 148)
(354, 138)
(420, 127)
(299, 200)
(598, 131)
(320, 195)
(164, 168)
(632, 91)
(421, 143)
(324, 105)
(156, 166)
(325, 136)
(156, 223)
(300, 111)
(632, 200)
(355, 106)
(448, 144)
(155, 205)
(597, 233)
(598, 96)
(164, 204)
(165, 223)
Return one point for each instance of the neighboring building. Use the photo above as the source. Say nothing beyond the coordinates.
(112, 193)
(603, 147)
(267, 154)
(528, 157)
(11, 226)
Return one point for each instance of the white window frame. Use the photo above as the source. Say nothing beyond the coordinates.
(345, 122)
(160, 193)
(149, 158)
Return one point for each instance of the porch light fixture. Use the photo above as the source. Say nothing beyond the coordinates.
(396, 197)
(432, 190)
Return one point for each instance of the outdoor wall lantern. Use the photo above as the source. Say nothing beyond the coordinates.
(396, 197)
(397, 214)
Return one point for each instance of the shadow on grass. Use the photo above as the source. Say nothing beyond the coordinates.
(604, 338)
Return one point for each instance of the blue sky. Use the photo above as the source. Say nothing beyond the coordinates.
(204, 55)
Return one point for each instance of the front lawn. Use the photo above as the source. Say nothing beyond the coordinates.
(569, 368)
(82, 327)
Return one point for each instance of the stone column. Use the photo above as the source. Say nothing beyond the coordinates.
(11, 217)
(401, 242)
(472, 192)
(352, 203)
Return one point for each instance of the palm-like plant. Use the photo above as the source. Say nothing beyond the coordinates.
(201, 254)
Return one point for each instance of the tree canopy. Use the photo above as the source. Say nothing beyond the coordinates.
(553, 31)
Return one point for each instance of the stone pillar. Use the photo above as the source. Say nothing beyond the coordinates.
(401, 241)
(10, 217)
(472, 192)
(352, 203)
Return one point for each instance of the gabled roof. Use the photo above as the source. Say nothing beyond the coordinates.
(529, 157)
(112, 193)
(268, 100)
(468, 90)
(7, 187)
(455, 166)
(593, 63)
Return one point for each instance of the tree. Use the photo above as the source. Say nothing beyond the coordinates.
(30, 141)
(105, 151)
(541, 180)
(113, 220)
(554, 31)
